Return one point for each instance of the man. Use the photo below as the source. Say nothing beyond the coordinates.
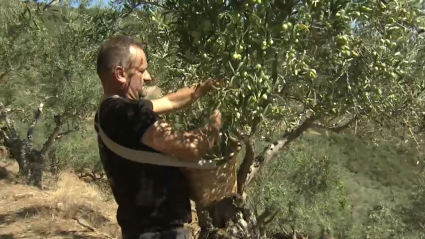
(153, 201)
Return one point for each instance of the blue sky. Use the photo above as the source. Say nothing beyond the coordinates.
(103, 2)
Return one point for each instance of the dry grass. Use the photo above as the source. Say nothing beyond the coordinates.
(69, 208)
(72, 209)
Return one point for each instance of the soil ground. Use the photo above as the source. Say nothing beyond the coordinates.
(66, 208)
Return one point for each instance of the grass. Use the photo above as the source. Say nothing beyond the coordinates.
(59, 212)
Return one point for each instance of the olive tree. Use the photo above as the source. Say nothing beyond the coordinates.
(21, 38)
(293, 65)
(54, 70)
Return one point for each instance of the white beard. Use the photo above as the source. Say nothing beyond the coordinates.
(151, 92)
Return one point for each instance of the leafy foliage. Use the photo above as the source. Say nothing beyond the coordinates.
(283, 62)
(282, 58)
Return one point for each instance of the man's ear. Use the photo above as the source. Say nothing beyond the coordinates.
(120, 74)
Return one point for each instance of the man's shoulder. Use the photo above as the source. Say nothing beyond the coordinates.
(122, 109)
(125, 121)
(120, 103)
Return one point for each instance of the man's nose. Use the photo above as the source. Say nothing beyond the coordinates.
(146, 76)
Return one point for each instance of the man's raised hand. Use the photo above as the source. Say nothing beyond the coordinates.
(208, 85)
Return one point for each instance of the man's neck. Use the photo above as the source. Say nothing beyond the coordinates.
(127, 95)
(106, 96)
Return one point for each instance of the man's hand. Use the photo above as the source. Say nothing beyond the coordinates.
(206, 86)
(184, 97)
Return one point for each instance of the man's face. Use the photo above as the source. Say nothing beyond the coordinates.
(137, 74)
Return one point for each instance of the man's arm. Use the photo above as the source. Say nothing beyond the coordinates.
(182, 98)
(189, 145)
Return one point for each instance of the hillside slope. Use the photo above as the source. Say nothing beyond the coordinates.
(69, 208)
(348, 184)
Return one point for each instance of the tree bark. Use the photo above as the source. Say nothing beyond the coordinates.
(12, 140)
(244, 168)
(53, 136)
(34, 169)
(241, 223)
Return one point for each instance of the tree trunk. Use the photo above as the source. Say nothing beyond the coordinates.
(53, 163)
(31, 161)
(228, 219)
(231, 217)
(35, 168)
(240, 221)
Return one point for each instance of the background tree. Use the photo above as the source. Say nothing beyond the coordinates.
(64, 81)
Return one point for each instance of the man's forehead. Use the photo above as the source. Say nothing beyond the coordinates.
(138, 56)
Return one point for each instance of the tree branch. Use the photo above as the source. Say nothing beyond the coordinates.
(37, 117)
(49, 4)
(271, 218)
(14, 143)
(4, 135)
(48, 145)
(9, 123)
(245, 166)
(153, 3)
(60, 135)
(266, 217)
(270, 151)
(336, 128)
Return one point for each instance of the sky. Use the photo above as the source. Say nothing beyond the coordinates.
(75, 4)
(103, 2)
